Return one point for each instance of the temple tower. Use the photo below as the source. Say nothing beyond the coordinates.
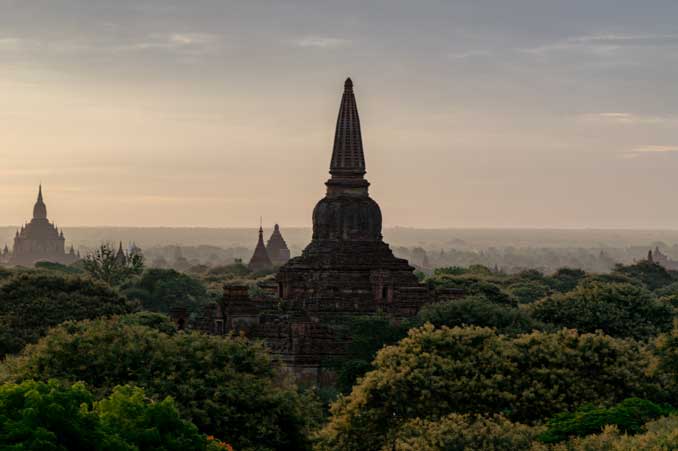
(39, 240)
(277, 248)
(260, 260)
(347, 267)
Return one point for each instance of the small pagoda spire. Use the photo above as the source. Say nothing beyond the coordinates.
(260, 259)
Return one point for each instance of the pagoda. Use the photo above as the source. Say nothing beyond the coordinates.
(260, 260)
(348, 267)
(277, 248)
(40, 240)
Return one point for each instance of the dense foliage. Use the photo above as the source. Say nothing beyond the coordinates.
(52, 417)
(619, 310)
(161, 290)
(32, 302)
(435, 372)
(225, 386)
(629, 416)
(478, 311)
(109, 266)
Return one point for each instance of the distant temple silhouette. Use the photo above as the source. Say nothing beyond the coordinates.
(40, 240)
(260, 260)
(662, 259)
(277, 248)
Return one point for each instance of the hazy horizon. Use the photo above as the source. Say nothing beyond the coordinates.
(475, 114)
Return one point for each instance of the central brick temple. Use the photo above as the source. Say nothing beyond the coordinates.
(347, 267)
(346, 271)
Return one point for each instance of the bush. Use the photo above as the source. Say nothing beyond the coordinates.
(225, 386)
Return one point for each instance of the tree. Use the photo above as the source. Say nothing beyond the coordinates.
(435, 372)
(629, 416)
(227, 386)
(457, 432)
(111, 267)
(565, 279)
(478, 311)
(619, 310)
(51, 416)
(33, 301)
(160, 290)
(473, 285)
(653, 275)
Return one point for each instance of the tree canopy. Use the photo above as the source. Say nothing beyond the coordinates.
(226, 386)
(54, 417)
(435, 372)
(33, 301)
(619, 310)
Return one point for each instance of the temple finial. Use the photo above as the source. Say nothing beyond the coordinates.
(348, 84)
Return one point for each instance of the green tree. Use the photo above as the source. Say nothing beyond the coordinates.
(227, 386)
(629, 416)
(565, 279)
(109, 266)
(160, 290)
(619, 310)
(457, 432)
(651, 274)
(528, 292)
(436, 372)
(478, 311)
(33, 301)
(53, 417)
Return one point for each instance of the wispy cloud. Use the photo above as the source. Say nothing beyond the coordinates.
(323, 42)
(193, 43)
(648, 150)
(12, 44)
(625, 118)
(604, 43)
(467, 54)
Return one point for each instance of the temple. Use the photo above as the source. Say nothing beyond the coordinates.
(277, 248)
(348, 267)
(260, 260)
(40, 240)
(346, 271)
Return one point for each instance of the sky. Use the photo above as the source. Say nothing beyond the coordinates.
(475, 113)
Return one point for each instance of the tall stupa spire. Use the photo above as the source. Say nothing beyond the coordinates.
(348, 159)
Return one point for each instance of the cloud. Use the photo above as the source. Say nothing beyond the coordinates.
(624, 118)
(604, 44)
(322, 42)
(648, 150)
(468, 54)
(190, 43)
(10, 44)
